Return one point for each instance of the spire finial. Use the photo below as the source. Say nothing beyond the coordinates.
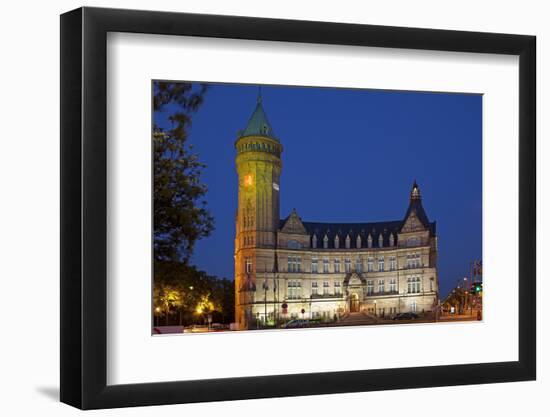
(415, 191)
(259, 94)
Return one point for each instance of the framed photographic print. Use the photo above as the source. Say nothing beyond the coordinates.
(257, 208)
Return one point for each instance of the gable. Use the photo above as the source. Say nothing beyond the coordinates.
(294, 225)
(412, 224)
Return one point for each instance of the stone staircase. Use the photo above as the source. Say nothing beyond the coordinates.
(356, 319)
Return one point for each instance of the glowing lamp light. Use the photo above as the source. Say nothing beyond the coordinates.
(248, 180)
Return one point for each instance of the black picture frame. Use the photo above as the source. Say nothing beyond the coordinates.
(84, 207)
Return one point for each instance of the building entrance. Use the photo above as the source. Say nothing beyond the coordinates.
(354, 303)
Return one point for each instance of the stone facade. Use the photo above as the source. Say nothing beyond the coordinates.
(289, 268)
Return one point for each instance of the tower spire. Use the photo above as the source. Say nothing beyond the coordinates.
(415, 192)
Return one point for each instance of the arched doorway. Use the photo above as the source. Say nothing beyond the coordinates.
(354, 303)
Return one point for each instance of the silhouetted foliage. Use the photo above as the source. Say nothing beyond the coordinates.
(180, 215)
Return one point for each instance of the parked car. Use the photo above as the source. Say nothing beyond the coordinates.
(296, 324)
(406, 316)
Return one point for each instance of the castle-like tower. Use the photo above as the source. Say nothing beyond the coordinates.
(258, 163)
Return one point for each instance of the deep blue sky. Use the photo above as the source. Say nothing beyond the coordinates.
(351, 156)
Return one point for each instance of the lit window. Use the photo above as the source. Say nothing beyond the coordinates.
(294, 289)
(248, 265)
(413, 285)
(413, 260)
(314, 267)
(380, 264)
(393, 263)
(370, 264)
(248, 180)
(370, 287)
(294, 263)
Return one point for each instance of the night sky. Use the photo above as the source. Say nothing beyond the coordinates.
(351, 156)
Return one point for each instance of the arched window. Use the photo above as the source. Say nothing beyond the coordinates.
(293, 244)
(348, 242)
(314, 241)
(336, 242)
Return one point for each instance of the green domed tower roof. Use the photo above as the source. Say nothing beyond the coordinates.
(258, 124)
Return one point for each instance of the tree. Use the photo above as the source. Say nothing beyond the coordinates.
(180, 215)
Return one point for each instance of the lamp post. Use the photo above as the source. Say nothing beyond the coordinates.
(265, 286)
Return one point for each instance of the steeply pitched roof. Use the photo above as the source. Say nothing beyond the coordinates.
(374, 229)
(258, 124)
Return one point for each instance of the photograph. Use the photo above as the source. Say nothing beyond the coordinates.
(343, 207)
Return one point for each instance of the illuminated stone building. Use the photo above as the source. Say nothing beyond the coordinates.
(289, 268)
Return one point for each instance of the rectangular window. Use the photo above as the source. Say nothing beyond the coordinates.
(393, 264)
(370, 264)
(370, 287)
(325, 287)
(413, 285)
(337, 265)
(314, 288)
(248, 265)
(393, 285)
(294, 263)
(325, 266)
(314, 267)
(348, 265)
(294, 289)
(380, 264)
(413, 260)
(358, 265)
(337, 288)
(380, 285)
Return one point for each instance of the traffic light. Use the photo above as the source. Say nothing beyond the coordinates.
(476, 288)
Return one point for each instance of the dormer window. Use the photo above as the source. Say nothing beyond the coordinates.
(380, 241)
(348, 242)
(392, 242)
(265, 130)
(369, 241)
(325, 242)
(358, 242)
(314, 241)
(336, 242)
